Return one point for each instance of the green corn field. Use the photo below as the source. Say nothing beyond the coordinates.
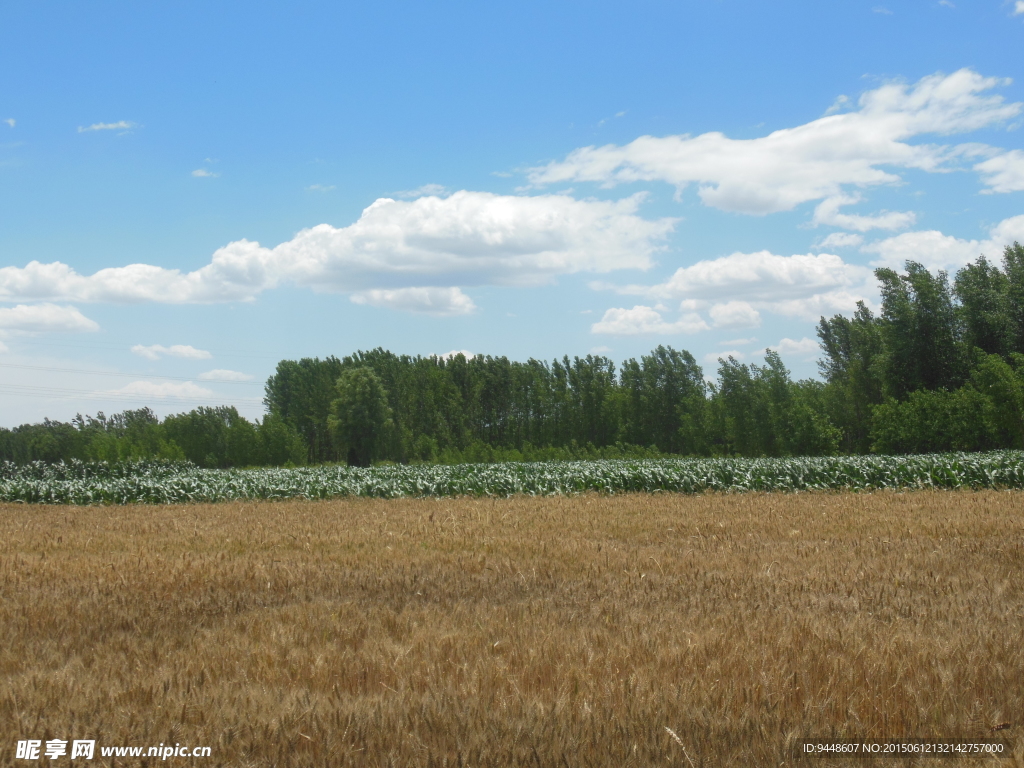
(171, 483)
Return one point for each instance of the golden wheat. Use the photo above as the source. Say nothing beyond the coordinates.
(587, 631)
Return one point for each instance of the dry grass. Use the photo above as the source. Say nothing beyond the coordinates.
(514, 632)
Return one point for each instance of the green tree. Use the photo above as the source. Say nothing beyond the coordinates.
(360, 419)
(214, 437)
(984, 309)
(852, 371)
(279, 442)
(301, 393)
(1013, 268)
(922, 347)
(1003, 389)
(664, 400)
(933, 421)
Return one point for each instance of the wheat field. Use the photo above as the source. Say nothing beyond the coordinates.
(566, 631)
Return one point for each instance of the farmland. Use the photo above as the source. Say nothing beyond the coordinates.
(568, 630)
(79, 482)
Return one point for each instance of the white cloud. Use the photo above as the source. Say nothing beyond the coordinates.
(4, 348)
(162, 389)
(947, 3)
(938, 251)
(738, 342)
(203, 173)
(156, 351)
(805, 348)
(829, 303)
(827, 212)
(11, 121)
(601, 349)
(803, 285)
(321, 187)
(882, 10)
(842, 102)
(427, 190)
(841, 240)
(222, 374)
(735, 314)
(120, 125)
(760, 276)
(40, 318)
(455, 352)
(1018, 8)
(645, 320)
(467, 239)
(813, 161)
(1004, 172)
(428, 301)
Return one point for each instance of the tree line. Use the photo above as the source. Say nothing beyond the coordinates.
(940, 368)
(209, 437)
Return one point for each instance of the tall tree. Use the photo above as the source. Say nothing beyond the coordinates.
(1013, 268)
(984, 310)
(920, 332)
(665, 401)
(360, 417)
(300, 393)
(852, 369)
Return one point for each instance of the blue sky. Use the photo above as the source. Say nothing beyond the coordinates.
(190, 192)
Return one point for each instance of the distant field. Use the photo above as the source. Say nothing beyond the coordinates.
(164, 483)
(563, 631)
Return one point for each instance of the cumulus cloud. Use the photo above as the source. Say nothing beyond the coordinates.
(828, 213)
(738, 342)
(11, 122)
(804, 285)
(645, 320)
(455, 353)
(1003, 172)
(163, 389)
(203, 173)
(842, 102)
(735, 314)
(828, 303)
(1018, 8)
(935, 250)
(156, 351)
(466, 239)
(120, 125)
(222, 374)
(814, 161)
(435, 190)
(841, 240)
(40, 318)
(805, 348)
(427, 301)
(761, 276)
